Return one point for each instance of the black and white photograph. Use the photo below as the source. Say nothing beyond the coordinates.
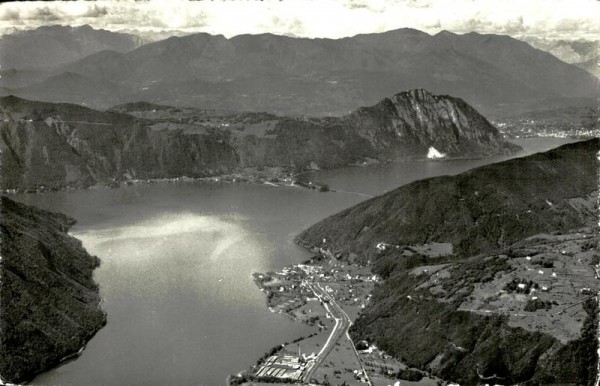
(306, 192)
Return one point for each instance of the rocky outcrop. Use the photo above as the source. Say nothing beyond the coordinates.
(58, 145)
(49, 301)
(410, 122)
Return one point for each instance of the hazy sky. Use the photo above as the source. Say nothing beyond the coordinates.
(567, 19)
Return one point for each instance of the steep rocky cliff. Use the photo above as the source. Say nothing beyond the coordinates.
(50, 305)
(411, 122)
(58, 145)
(493, 308)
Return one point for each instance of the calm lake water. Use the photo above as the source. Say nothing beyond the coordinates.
(377, 179)
(177, 260)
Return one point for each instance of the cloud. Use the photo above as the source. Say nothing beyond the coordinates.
(9, 14)
(288, 27)
(44, 14)
(40, 14)
(95, 11)
(376, 6)
(317, 18)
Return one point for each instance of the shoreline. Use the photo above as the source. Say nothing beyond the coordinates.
(275, 180)
(271, 175)
(62, 361)
(330, 293)
(75, 311)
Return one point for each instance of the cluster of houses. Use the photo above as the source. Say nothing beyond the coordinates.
(286, 366)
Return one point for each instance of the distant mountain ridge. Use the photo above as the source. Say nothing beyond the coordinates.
(592, 65)
(320, 77)
(50, 46)
(576, 52)
(569, 51)
(58, 145)
(582, 53)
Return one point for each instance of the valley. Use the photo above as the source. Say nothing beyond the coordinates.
(194, 196)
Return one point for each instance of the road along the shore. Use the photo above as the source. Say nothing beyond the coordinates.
(342, 326)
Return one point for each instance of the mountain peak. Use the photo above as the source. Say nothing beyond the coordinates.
(400, 32)
(417, 93)
(11, 101)
(449, 124)
(85, 27)
(445, 33)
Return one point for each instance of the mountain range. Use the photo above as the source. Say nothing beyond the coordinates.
(59, 145)
(47, 47)
(582, 53)
(316, 77)
(591, 65)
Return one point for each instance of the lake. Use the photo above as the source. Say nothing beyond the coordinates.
(377, 179)
(177, 260)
